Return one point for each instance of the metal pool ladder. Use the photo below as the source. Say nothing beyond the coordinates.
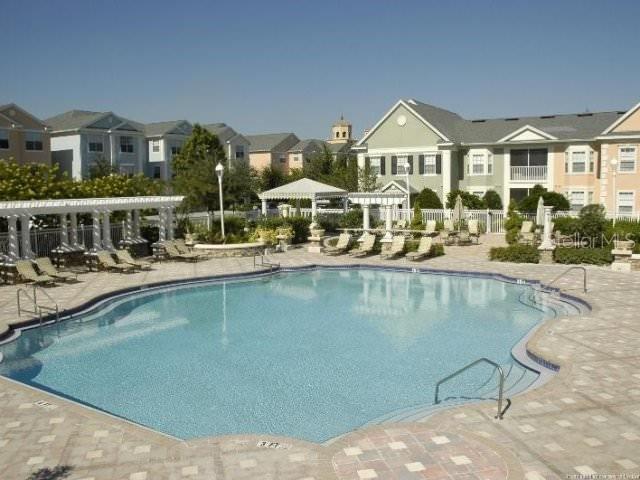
(501, 412)
(37, 308)
(577, 267)
(262, 263)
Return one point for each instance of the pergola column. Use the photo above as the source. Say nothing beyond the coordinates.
(365, 217)
(314, 211)
(345, 204)
(162, 225)
(14, 248)
(169, 224)
(27, 253)
(107, 244)
(97, 234)
(128, 228)
(264, 207)
(64, 233)
(137, 237)
(73, 231)
(388, 223)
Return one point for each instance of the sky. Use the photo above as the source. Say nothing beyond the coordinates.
(296, 66)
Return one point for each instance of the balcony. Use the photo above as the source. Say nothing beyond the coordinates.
(535, 173)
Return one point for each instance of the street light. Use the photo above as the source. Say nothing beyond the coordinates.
(220, 173)
(407, 166)
(614, 172)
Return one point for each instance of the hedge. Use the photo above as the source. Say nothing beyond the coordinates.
(576, 256)
(515, 253)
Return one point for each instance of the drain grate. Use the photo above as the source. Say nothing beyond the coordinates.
(276, 445)
(46, 405)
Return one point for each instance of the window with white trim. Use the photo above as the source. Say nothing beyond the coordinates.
(126, 144)
(239, 152)
(430, 163)
(480, 163)
(155, 146)
(577, 200)
(627, 159)
(374, 165)
(33, 141)
(578, 161)
(4, 139)
(489, 164)
(477, 164)
(626, 202)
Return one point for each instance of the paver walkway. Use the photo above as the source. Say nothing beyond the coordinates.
(585, 420)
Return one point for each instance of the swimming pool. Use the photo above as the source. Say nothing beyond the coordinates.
(307, 354)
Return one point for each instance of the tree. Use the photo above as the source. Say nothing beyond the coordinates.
(101, 168)
(416, 221)
(194, 170)
(344, 172)
(469, 200)
(319, 166)
(367, 178)
(554, 199)
(240, 184)
(492, 200)
(270, 177)
(429, 199)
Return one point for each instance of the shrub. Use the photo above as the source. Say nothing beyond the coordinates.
(416, 221)
(492, 200)
(330, 222)
(469, 200)
(299, 225)
(554, 199)
(624, 230)
(428, 199)
(574, 256)
(515, 253)
(353, 219)
(593, 223)
(512, 224)
(567, 225)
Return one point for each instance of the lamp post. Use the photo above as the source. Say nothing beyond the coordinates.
(407, 166)
(614, 172)
(220, 173)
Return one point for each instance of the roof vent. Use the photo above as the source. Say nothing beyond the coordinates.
(511, 119)
(548, 116)
(585, 114)
(412, 101)
(482, 120)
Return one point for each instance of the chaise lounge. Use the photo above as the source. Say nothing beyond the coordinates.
(46, 267)
(28, 273)
(341, 247)
(396, 249)
(366, 247)
(424, 248)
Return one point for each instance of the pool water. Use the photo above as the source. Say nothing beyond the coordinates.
(307, 354)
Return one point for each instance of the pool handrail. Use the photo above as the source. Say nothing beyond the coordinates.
(501, 412)
(575, 267)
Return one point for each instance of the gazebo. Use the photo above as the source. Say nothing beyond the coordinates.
(388, 199)
(304, 188)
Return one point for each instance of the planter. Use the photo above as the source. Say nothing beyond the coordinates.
(623, 244)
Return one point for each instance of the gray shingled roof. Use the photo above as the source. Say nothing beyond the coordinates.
(308, 144)
(339, 147)
(272, 141)
(581, 126)
(77, 119)
(157, 129)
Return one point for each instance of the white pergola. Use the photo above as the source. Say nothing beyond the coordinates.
(100, 209)
(388, 200)
(304, 188)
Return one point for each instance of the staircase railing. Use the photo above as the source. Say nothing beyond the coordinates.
(576, 267)
(37, 307)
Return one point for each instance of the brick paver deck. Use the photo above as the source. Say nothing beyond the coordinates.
(585, 420)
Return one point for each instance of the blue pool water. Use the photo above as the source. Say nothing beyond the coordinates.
(308, 354)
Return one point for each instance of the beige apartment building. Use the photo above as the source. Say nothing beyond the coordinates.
(23, 137)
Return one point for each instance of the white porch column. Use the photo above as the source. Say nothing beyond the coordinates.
(97, 234)
(107, 244)
(64, 233)
(388, 223)
(162, 225)
(365, 217)
(27, 253)
(128, 228)
(264, 208)
(73, 231)
(345, 204)
(446, 174)
(169, 224)
(14, 248)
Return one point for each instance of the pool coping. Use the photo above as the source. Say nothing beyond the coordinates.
(520, 351)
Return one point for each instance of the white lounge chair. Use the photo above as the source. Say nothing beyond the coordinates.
(424, 248)
(366, 247)
(430, 229)
(341, 247)
(396, 249)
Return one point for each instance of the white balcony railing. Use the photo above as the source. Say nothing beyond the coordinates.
(529, 174)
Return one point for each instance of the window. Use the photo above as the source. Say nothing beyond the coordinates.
(175, 149)
(625, 203)
(155, 146)
(126, 145)
(578, 161)
(337, 134)
(477, 164)
(627, 159)
(576, 200)
(375, 165)
(33, 141)
(489, 164)
(344, 134)
(128, 170)
(96, 146)
(157, 172)
(4, 139)
(430, 164)
(283, 158)
(239, 152)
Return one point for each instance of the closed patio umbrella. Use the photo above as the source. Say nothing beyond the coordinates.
(458, 212)
(540, 212)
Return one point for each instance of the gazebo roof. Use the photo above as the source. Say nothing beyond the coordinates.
(303, 188)
(79, 205)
